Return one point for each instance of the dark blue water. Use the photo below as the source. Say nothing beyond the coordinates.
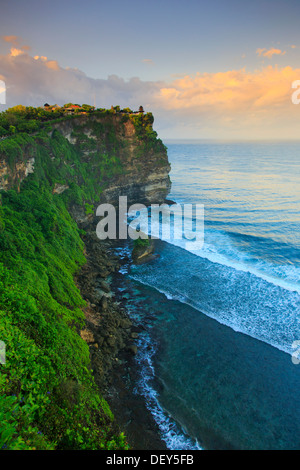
(221, 322)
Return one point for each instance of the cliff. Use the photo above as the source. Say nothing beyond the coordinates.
(106, 155)
(60, 326)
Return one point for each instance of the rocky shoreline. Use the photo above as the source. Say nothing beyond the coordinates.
(111, 336)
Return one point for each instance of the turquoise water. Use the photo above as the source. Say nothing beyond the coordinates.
(220, 322)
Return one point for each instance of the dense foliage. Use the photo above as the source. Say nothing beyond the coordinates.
(30, 119)
(144, 131)
(48, 396)
(86, 177)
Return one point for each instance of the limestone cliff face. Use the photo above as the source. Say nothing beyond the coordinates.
(13, 176)
(145, 175)
(120, 152)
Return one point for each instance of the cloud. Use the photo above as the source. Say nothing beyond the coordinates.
(14, 52)
(148, 61)
(269, 53)
(52, 64)
(234, 104)
(15, 42)
(11, 39)
(42, 57)
(260, 51)
(37, 80)
(229, 103)
(235, 90)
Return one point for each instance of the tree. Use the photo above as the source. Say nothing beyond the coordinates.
(87, 107)
(116, 109)
(127, 110)
(19, 109)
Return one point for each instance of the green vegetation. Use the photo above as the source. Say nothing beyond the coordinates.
(89, 209)
(145, 133)
(30, 119)
(86, 177)
(48, 396)
(25, 119)
(13, 147)
(141, 247)
(141, 243)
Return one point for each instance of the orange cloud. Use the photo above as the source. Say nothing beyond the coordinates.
(235, 91)
(269, 53)
(52, 64)
(11, 39)
(148, 61)
(233, 104)
(41, 57)
(14, 52)
(260, 51)
(15, 41)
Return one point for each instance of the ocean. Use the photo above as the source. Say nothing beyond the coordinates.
(219, 324)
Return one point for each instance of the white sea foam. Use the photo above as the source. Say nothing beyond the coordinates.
(218, 248)
(269, 323)
(274, 323)
(174, 437)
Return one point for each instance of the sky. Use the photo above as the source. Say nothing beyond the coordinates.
(218, 69)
